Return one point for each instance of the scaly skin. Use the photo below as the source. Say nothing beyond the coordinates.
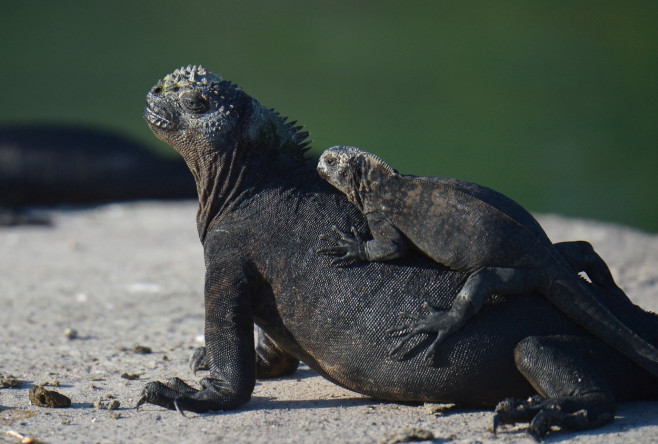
(470, 228)
(262, 208)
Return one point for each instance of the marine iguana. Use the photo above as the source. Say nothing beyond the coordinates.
(262, 208)
(474, 229)
(46, 165)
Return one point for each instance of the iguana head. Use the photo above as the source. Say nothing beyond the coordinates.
(193, 109)
(353, 171)
(220, 131)
(198, 113)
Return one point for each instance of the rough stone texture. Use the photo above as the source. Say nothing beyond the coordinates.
(96, 271)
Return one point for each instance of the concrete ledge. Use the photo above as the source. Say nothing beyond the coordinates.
(76, 298)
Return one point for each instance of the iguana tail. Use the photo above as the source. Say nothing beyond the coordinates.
(579, 301)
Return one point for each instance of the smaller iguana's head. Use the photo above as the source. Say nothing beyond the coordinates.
(193, 109)
(353, 171)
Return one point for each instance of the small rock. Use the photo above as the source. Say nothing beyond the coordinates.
(130, 376)
(115, 415)
(71, 333)
(406, 435)
(141, 350)
(9, 381)
(437, 409)
(98, 404)
(41, 397)
(24, 439)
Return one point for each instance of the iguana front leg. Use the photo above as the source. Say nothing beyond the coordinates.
(387, 242)
(229, 348)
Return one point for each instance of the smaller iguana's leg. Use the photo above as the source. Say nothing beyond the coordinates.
(574, 394)
(481, 283)
(387, 242)
(582, 257)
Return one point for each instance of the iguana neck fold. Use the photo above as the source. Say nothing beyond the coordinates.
(219, 181)
(220, 174)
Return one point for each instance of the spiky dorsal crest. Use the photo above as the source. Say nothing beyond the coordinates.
(191, 75)
(275, 133)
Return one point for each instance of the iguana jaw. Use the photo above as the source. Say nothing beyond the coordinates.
(158, 119)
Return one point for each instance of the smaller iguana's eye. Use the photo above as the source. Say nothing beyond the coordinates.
(195, 103)
(330, 161)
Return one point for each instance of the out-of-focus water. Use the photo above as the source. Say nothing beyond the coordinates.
(553, 103)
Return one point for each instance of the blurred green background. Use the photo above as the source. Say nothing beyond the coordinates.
(553, 103)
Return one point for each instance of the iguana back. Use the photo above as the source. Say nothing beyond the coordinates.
(459, 224)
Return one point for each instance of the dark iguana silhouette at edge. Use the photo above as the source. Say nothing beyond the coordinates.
(49, 164)
(262, 208)
(474, 229)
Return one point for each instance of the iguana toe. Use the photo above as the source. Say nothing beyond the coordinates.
(197, 360)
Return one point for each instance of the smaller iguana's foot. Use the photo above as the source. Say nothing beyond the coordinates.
(197, 360)
(440, 322)
(174, 394)
(345, 248)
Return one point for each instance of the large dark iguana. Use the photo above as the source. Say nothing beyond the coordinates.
(474, 229)
(46, 164)
(262, 208)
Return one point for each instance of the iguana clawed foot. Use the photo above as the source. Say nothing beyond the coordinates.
(174, 394)
(346, 247)
(542, 414)
(440, 322)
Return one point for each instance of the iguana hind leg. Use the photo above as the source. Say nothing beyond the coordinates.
(271, 360)
(574, 393)
(481, 283)
(582, 257)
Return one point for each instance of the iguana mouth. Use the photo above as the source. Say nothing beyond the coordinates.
(156, 119)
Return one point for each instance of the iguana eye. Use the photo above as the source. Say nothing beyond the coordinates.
(330, 161)
(195, 103)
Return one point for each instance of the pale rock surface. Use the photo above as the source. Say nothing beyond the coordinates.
(132, 274)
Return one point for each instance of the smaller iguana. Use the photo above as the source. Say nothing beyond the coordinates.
(474, 229)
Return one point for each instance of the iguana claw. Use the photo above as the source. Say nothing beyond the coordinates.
(142, 400)
(346, 247)
(440, 322)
